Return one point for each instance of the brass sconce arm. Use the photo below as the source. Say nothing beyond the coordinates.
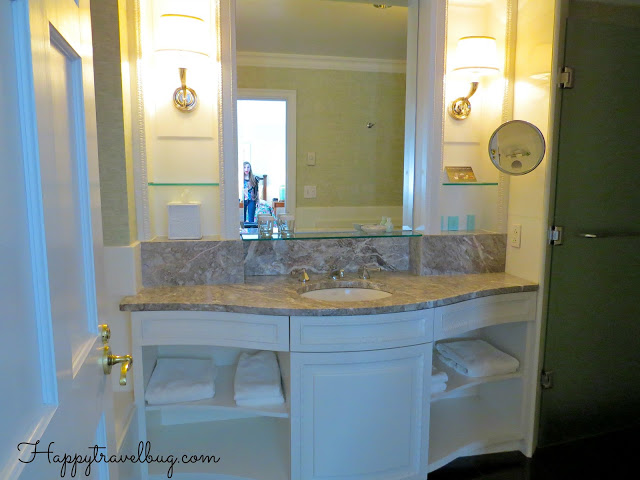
(184, 98)
(460, 108)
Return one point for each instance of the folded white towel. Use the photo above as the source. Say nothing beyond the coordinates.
(438, 376)
(438, 387)
(177, 380)
(257, 381)
(476, 358)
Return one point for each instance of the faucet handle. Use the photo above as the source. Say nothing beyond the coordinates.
(336, 273)
(365, 272)
(301, 274)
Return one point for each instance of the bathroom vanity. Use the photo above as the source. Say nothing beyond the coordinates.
(356, 376)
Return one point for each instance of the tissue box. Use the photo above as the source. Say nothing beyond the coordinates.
(184, 221)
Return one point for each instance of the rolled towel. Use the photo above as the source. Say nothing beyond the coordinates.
(257, 381)
(437, 376)
(176, 380)
(476, 358)
(438, 387)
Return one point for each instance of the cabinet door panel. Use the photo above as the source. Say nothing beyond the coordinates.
(360, 415)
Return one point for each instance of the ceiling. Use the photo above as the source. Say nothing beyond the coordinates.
(322, 27)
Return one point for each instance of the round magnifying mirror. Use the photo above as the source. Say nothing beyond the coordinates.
(516, 147)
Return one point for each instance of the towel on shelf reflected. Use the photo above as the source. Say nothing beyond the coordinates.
(438, 376)
(476, 358)
(438, 387)
(176, 380)
(439, 380)
(257, 381)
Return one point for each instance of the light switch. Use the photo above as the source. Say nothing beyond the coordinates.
(311, 158)
(309, 191)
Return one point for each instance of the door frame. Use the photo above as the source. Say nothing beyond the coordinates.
(557, 62)
(288, 96)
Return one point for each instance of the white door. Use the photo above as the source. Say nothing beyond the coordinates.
(360, 415)
(53, 388)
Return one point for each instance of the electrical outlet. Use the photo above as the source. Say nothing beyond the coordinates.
(516, 235)
(311, 158)
(309, 191)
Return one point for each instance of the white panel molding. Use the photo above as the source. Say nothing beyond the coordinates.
(319, 62)
(33, 188)
(15, 466)
(432, 21)
(227, 120)
(139, 136)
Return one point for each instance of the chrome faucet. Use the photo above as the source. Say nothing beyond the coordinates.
(336, 273)
(365, 272)
(301, 274)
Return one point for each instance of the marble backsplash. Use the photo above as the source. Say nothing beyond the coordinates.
(321, 256)
(191, 262)
(458, 254)
(211, 262)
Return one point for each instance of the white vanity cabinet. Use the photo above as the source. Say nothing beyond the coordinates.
(486, 414)
(360, 396)
(251, 443)
(357, 389)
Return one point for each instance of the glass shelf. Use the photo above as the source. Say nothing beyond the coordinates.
(251, 234)
(158, 184)
(469, 184)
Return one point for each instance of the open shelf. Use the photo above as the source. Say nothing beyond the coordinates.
(458, 382)
(222, 401)
(248, 449)
(460, 426)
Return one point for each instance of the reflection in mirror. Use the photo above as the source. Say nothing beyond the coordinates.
(345, 61)
(516, 147)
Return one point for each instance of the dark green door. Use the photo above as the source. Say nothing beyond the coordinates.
(593, 329)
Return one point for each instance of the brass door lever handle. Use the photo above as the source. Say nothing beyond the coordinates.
(108, 361)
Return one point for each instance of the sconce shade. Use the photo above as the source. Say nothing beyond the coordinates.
(477, 56)
(182, 35)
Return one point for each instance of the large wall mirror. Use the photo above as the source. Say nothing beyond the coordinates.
(322, 92)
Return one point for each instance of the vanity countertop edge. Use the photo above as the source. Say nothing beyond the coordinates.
(280, 295)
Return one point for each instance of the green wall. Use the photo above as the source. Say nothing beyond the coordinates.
(355, 165)
(114, 146)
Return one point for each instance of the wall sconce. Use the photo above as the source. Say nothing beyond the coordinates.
(183, 36)
(476, 56)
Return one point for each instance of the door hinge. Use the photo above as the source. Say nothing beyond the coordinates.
(555, 235)
(567, 77)
(546, 380)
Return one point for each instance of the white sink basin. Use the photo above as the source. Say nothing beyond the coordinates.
(346, 294)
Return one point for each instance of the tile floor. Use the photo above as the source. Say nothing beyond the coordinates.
(611, 456)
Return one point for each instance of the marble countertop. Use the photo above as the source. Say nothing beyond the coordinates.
(280, 295)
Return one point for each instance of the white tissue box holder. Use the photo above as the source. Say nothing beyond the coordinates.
(184, 221)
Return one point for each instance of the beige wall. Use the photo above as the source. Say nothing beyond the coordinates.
(528, 194)
(116, 182)
(355, 165)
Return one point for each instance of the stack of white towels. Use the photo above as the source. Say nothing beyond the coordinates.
(476, 358)
(257, 381)
(177, 380)
(439, 380)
